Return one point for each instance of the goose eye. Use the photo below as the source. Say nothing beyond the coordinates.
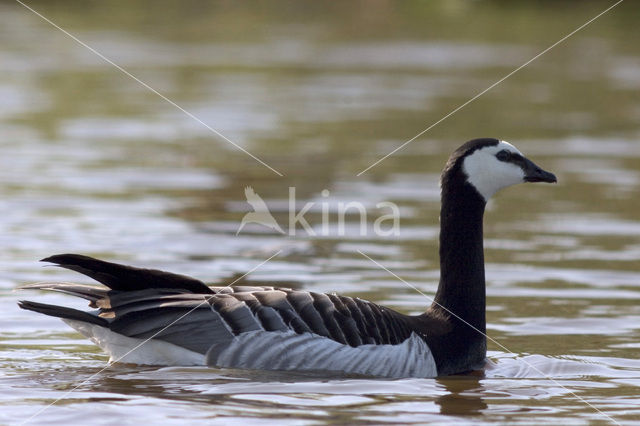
(503, 155)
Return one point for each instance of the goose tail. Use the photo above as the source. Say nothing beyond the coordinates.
(126, 278)
(63, 312)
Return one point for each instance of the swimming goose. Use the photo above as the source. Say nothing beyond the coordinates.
(148, 316)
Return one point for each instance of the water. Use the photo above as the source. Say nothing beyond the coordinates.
(92, 162)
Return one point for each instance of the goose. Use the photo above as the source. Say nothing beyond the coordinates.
(146, 316)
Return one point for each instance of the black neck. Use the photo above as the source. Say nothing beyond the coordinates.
(460, 299)
(462, 283)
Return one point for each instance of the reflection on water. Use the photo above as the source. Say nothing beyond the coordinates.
(93, 162)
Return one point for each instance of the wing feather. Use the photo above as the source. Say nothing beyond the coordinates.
(291, 351)
(338, 332)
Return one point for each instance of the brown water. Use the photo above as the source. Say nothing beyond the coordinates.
(92, 162)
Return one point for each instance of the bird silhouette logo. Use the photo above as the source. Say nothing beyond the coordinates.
(260, 214)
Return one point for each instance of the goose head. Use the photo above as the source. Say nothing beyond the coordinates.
(489, 165)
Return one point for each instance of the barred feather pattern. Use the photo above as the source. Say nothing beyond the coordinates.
(260, 328)
(291, 351)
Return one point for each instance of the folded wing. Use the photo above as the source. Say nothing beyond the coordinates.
(241, 326)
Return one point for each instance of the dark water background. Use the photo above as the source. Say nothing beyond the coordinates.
(93, 162)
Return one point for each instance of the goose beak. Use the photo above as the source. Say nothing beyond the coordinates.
(533, 173)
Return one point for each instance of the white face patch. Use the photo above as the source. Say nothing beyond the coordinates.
(488, 174)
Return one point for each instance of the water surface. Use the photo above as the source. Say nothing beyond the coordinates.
(94, 163)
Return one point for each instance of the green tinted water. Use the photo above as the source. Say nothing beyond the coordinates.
(93, 162)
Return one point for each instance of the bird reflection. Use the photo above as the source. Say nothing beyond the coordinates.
(464, 394)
